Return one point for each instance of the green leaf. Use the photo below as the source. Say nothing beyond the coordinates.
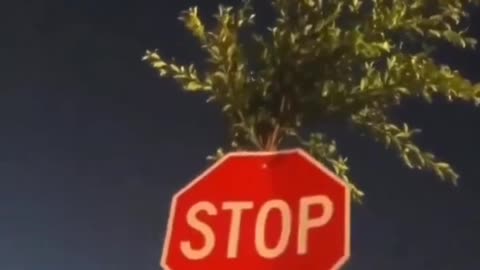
(193, 86)
(220, 75)
(227, 107)
(175, 68)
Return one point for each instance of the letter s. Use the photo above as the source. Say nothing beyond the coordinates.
(207, 232)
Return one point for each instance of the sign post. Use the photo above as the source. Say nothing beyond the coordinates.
(257, 211)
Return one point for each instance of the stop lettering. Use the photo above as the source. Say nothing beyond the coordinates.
(305, 223)
(276, 211)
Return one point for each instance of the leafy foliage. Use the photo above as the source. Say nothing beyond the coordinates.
(343, 60)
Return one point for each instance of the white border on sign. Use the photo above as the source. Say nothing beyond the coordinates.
(340, 262)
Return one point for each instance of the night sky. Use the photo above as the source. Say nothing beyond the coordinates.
(93, 145)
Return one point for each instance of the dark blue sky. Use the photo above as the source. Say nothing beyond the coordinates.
(93, 144)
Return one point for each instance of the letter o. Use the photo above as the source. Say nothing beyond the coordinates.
(260, 228)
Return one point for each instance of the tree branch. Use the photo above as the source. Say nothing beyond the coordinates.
(400, 139)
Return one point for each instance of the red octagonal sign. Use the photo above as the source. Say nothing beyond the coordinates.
(262, 211)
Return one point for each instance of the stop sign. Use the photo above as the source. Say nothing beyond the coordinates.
(260, 210)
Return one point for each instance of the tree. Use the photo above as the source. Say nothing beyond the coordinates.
(348, 61)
